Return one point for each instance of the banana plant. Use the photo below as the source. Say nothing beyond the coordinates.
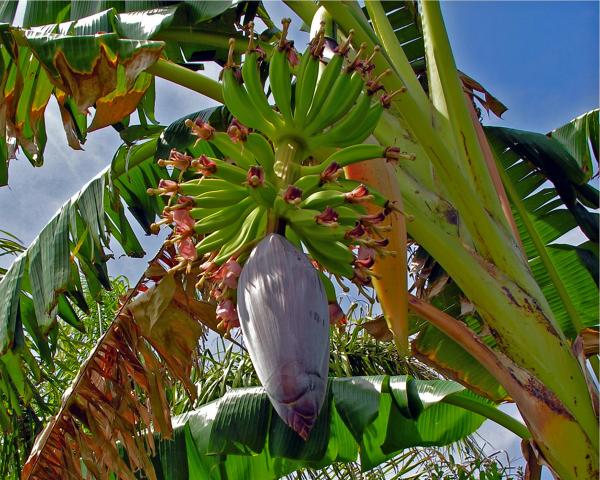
(430, 171)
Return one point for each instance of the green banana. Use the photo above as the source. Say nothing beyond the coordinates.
(364, 128)
(308, 183)
(344, 131)
(321, 233)
(324, 198)
(235, 151)
(349, 215)
(253, 226)
(217, 239)
(291, 235)
(334, 256)
(346, 156)
(344, 94)
(231, 173)
(280, 76)
(324, 87)
(263, 195)
(301, 217)
(345, 185)
(220, 198)
(197, 187)
(329, 288)
(223, 217)
(254, 86)
(262, 150)
(197, 212)
(237, 99)
(305, 88)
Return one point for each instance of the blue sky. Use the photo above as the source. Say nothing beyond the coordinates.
(539, 58)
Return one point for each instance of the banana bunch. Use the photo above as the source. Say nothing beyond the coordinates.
(280, 169)
(323, 106)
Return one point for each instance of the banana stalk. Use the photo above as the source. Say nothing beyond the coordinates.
(390, 271)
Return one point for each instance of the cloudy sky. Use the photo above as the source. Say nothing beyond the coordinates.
(539, 58)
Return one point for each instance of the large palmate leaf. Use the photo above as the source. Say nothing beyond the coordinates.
(240, 437)
(404, 18)
(546, 211)
(97, 61)
(578, 137)
(45, 281)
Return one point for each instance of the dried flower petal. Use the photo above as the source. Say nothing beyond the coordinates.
(256, 176)
(331, 173)
(237, 132)
(329, 217)
(292, 195)
(204, 165)
(373, 219)
(187, 249)
(336, 315)
(201, 129)
(184, 223)
(357, 232)
(227, 314)
(359, 194)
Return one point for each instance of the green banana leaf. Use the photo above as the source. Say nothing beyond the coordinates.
(528, 163)
(404, 18)
(44, 282)
(577, 137)
(240, 437)
(96, 61)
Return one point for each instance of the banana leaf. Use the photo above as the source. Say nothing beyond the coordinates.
(239, 436)
(577, 137)
(545, 184)
(96, 61)
(44, 282)
(404, 18)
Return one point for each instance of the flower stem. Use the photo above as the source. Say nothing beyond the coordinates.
(186, 78)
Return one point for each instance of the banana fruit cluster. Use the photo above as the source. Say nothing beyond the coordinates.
(281, 170)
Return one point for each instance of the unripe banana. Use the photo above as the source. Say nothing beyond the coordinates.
(251, 76)
(345, 185)
(308, 184)
(262, 150)
(305, 88)
(363, 129)
(280, 81)
(347, 156)
(253, 227)
(293, 237)
(329, 288)
(197, 187)
(220, 198)
(217, 239)
(231, 173)
(343, 95)
(239, 104)
(235, 151)
(335, 257)
(321, 233)
(350, 130)
(324, 198)
(348, 215)
(301, 217)
(324, 87)
(223, 217)
(263, 195)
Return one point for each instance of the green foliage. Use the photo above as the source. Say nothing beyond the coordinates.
(70, 347)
